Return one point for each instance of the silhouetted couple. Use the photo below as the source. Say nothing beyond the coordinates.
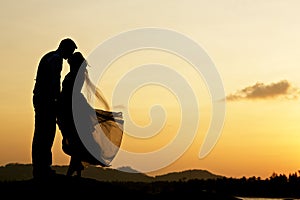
(90, 135)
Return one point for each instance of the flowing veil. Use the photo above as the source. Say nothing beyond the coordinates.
(107, 125)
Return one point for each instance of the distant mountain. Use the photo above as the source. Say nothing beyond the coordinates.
(187, 175)
(16, 171)
(110, 174)
(127, 169)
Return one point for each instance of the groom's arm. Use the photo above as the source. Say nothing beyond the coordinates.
(55, 65)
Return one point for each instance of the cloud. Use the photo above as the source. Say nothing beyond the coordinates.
(282, 89)
(119, 106)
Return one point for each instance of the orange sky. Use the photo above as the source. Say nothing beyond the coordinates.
(254, 45)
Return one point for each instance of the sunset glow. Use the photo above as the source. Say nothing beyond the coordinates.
(255, 46)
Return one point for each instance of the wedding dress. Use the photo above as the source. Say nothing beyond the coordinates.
(90, 135)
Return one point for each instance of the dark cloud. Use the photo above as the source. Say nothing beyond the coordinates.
(282, 89)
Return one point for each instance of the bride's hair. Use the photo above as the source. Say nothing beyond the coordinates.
(77, 61)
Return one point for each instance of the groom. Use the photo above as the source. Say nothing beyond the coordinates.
(45, 94)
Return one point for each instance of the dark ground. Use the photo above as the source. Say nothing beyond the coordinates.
(16, 182)
(73, 187)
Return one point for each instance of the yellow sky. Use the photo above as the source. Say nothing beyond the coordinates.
(249, 42)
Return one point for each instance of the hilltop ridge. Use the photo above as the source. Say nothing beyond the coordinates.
(16, 171)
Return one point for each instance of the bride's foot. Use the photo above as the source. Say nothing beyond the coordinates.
(79, 169)
(75, 166)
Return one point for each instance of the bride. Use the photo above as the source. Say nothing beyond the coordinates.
(91, 136)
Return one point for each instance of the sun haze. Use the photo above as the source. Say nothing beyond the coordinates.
(254, 45)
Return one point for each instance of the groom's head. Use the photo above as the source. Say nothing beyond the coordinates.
(67, 47)
(76, 61)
